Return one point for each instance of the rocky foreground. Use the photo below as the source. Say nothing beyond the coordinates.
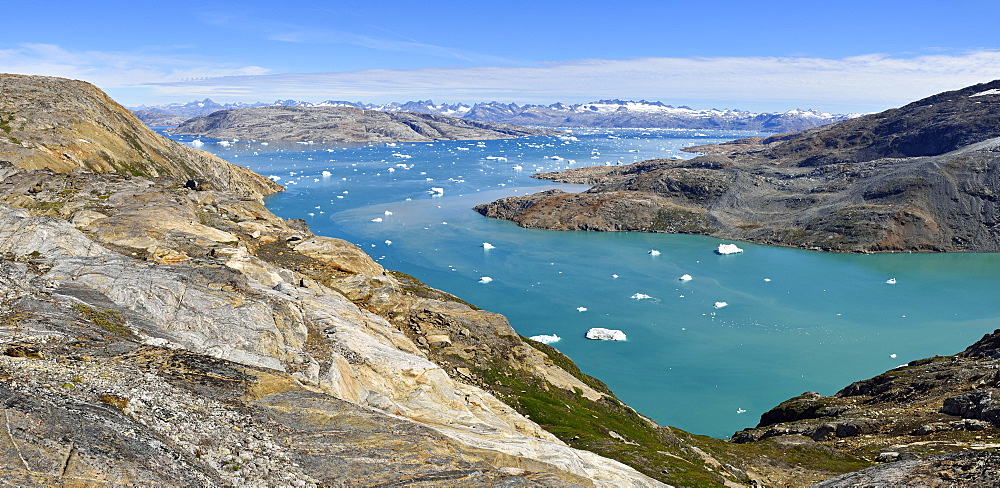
(924, 177)
(344, 124)
(161, 328)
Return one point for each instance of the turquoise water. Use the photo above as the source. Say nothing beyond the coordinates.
(819, 323)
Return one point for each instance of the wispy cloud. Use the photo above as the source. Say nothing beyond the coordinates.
(117, 69)
(866, 82)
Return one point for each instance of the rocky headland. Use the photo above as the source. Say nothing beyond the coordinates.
(923, 177)
(158, 331)
(344, 124)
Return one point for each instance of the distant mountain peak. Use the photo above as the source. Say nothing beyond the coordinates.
(605, 113)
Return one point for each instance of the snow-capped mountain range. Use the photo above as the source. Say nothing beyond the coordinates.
(602, 113)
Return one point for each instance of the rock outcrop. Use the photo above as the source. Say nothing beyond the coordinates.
(67, 125)
(920, 178)
(344, 124)
(933, 422)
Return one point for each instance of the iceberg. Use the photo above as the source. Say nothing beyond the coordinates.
(435, 191)
(581, 309)
(653, 252)
(721, 304)
(891, 281)
(640, 296)
(487, 246)
(545, 339)
(602, 334)
(728, 249)
(485, 279)
(377, 219)
(685, 277)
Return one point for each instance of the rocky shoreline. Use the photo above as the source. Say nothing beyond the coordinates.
(919, 178)
(344, 124)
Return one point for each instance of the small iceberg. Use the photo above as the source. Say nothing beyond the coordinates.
(387, 212)
(640, 296)
(377, 219)
(487, 246)
(602, 334)
(485, 279)
(721, 304)
(435, 191)
(728, 249)
(653, 252)
(545, 339)
(740, 410)
(891, 281)
(388, 242)
(685, 277)
(581, 309)
(195, 143)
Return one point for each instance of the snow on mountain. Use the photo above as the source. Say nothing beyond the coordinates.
(601, 113)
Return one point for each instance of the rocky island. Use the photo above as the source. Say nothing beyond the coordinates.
(923, 177)
(160, 327)
(344, 124)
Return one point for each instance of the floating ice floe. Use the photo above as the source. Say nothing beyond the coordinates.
(614, 276)
(326, 174)
(377, 219)
(640, 296)
(197, 143)
(487, 246)
(740, 410)
(387, 212)
(653, 252)
(224, 143)
(892, 356)
(767, 279)
(581, 309)
(435, 191)
(485, 279)
(685, 277)
(721, 304)
(546, 339)
(274, 178)
(602, 334)
(388, 242)
(891, 281)
(728, 249)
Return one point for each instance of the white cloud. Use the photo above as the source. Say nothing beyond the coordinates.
(868, 82)
(111, 70)
(860, 83)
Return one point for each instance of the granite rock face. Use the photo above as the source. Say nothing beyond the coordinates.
(920, 178)
(344, 124)
(213, 276)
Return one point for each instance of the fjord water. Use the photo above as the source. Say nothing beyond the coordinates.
(795, 320)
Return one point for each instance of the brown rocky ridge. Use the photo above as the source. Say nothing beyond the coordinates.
(344, 124)
(923, 177)
(155, 334)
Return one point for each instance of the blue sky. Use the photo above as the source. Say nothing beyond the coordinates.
(844, 56)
